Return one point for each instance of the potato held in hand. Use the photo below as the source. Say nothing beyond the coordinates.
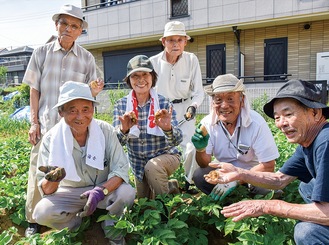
(53, 174)
(133, 116)
(158, 115)
(203, 130)
(188, 115)
(213, 175)
(93, 84)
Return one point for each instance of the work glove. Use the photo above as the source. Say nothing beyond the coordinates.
(190, 113)
(220, 191)
(53, 173)
(200, 138)
(94, 197)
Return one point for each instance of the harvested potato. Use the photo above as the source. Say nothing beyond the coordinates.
(93, 84)
(203, 130)
(133, 116)
(54, 174)
(188, 115)
(158, 115)
(214, 174)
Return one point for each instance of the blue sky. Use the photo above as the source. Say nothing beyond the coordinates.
(28, 22)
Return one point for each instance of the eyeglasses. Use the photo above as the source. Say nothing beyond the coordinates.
(64, 24)
(231, 100)
(173, 41)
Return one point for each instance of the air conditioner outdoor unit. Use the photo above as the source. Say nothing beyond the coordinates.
(322, 66)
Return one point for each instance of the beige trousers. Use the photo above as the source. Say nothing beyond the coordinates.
(188, 149)
(32, 195)
(60, 209)
(157, 171)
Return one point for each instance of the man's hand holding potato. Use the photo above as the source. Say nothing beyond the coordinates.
(200, 138)
(96, 86)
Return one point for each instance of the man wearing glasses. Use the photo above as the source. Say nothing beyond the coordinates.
(235, 134)
(52, 65)
(180, 80)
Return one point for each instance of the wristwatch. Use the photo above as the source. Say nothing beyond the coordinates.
(105, 191)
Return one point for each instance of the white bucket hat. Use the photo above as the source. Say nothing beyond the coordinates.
(175, 28)
(72, 11)
(72, 91)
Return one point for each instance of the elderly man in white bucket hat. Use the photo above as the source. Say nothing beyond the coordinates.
(235, 134)
(180, 80)
(50, 66)
(96, 166)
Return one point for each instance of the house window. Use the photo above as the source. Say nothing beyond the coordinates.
(275, 57)
(216, 61)
(179, 8)
(115, 63)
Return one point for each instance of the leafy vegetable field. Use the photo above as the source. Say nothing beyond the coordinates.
(178, 219)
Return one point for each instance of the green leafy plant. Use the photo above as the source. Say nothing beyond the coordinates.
(3, 71)
(7, 235)
(179, 219)
(23, 98)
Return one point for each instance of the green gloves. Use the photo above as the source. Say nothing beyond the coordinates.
(220, 191)
(200, 138)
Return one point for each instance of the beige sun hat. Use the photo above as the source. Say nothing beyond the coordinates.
(175, 28)
(73, 11)
(225, 83)
(72, 91)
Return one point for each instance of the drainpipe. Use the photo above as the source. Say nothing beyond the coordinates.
(237, 35)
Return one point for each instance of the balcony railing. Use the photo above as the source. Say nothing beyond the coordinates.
(106, 3)
(14, 63)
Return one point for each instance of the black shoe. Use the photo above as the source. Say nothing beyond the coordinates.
(32, 229)
(191, 191)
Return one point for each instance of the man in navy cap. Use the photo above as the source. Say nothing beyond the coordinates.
(301, 117)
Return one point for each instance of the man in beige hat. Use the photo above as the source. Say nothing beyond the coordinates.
(50, 66)
(300, 115)
(180, 80)
(236, 134)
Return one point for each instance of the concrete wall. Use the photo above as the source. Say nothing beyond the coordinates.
(303, 45)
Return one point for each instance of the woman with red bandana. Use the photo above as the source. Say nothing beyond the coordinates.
(146, 123)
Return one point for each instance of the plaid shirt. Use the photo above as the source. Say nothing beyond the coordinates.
(49, 68)
(147, 146)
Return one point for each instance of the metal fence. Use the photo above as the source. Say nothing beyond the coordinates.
(257, 89)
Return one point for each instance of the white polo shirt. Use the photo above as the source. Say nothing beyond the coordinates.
(256, 135)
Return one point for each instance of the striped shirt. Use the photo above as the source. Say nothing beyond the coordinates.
(49, 68)
(147, 146)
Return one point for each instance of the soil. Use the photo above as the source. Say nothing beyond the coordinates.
(6, 223)
(94, 234)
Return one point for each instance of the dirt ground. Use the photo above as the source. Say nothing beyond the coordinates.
(94, 234)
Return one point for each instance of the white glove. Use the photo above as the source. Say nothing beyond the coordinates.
(220, 191)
